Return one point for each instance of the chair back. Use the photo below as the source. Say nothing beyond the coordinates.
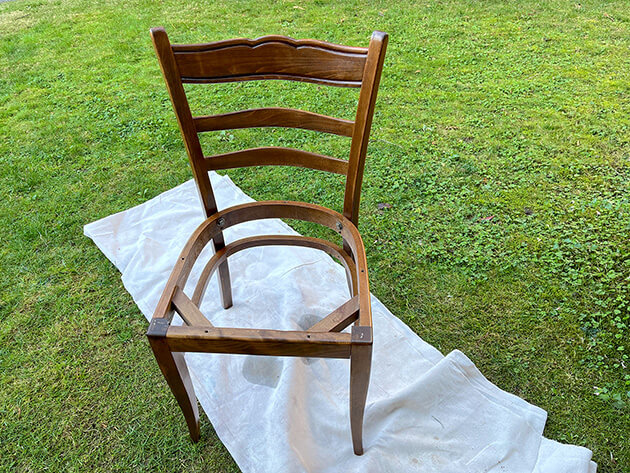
(274, 57)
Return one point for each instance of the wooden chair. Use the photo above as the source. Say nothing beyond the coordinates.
(269, 57)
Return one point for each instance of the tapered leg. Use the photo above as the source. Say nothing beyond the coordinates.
(360, 365)
(173, 366)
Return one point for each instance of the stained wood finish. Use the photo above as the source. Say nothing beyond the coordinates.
(273, 240)
(271, 209)
(173, 367)
(338, 319)
(276, 156)
(193, 147)
(188, 311)
(363, 124)
(269, 57)
(199, 47)
(259, 342)
(275, 117)
(360, 366)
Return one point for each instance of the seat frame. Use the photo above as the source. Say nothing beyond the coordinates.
(269, 57)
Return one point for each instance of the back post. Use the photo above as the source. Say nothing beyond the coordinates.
(362, 125)
(173, 81)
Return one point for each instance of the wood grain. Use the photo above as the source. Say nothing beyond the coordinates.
(175, 371)
(274, 209)
(338, 319)
(360, 367)
(274, 117)
(188, 311)
(271, 58)
(259, 342)
(276, 156)
(363, 124)
(177, 94)
(273, 240)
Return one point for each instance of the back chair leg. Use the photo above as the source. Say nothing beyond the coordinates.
(225, 286)
(173, 366)
(360, 364)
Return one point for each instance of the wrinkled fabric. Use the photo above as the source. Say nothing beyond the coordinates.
(425, 412)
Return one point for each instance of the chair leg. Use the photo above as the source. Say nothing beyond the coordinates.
(173, 366)
(225, 286)
(360, 365)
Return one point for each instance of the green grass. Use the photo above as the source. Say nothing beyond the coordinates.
(501, 141)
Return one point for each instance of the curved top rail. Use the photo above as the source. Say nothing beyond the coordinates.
(270, 57)
(296, 43)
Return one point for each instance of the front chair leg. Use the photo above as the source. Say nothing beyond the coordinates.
(360, 365)
(173, 366)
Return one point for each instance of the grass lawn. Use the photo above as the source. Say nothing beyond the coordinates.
(501, 141)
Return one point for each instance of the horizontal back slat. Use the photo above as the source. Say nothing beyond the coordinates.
(276, 156)
(275, 117)
(271, 57)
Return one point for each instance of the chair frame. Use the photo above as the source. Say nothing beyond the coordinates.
(269, 57)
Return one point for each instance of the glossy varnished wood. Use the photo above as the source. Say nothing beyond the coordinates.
(263, 210)
(269, 57)
(275, 117)
(273, 240)
(176, 91)
(338, 319)
(363, 124)
(360, 367)
(173, 367)
(259, 342)
(188, 311)
(276, 156)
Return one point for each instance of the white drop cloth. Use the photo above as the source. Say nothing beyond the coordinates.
(425, 412)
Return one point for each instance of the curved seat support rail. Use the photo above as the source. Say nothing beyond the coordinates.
(355, 264)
